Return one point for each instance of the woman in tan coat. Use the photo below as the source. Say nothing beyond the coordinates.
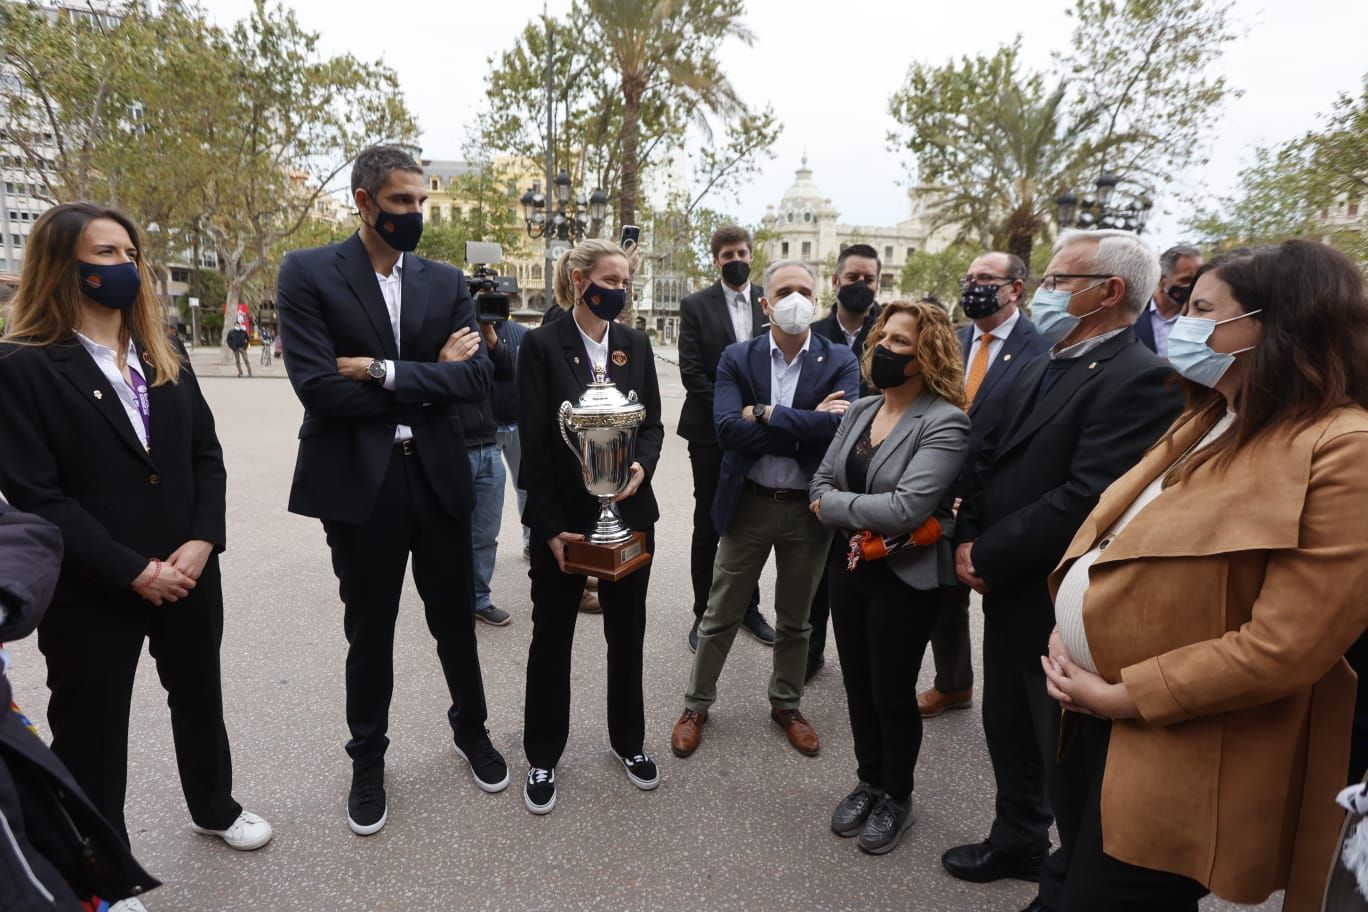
(1205, 606)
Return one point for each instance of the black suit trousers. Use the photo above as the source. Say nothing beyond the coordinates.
(950, 646)
(555, 609)
(92, 650)
(706, 462)
(1095, 880)
(369, 558)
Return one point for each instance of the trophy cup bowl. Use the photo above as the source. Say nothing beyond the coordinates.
(601, 431)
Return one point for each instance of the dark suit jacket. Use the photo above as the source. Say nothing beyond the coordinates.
(829, 327)
(330, 306)
(1018, 349)
(1144, 330)
(705, 331)
(1043, 468)
(743, 380)
(553, 367)
(69, 455)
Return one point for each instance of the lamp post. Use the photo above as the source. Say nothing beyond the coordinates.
(561, 219)
(1098, 211)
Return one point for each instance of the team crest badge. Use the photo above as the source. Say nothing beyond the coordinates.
(92, 281)
(620, 358)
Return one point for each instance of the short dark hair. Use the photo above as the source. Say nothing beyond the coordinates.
(373, 167)
(728, 235)
(859, 250)
(1168, 260)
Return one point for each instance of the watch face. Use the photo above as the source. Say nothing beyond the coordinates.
(376, 369)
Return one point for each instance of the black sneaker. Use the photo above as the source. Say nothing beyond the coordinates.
(539, 794)
(850, 815)
(814, 665)
(486, 764)
(754, 623)
(886, 825)
(366, 811)
(495, 617)
(641, 769)
(693, 637)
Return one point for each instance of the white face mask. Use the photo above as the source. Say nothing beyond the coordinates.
(793, 313)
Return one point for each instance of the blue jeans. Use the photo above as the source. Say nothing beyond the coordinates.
(512, 452)
(487, 472)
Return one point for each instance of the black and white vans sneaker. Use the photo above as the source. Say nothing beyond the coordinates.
(539, 794)
(486, 763)
(641, 769)
(366, 810)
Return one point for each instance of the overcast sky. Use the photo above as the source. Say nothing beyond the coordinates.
(829, 75)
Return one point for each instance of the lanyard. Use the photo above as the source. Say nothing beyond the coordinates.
(138, 385)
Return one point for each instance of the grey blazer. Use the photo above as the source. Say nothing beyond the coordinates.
(910, 478)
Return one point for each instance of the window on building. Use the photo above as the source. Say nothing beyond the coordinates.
(886, 280)
(888, 252)
(1353, 210)
(783, 249)
(434, 184)
(17, 240)
(807, 249)
(180, 274)
(910, 251)
(807, 216)
(436, 215)
(536, 272)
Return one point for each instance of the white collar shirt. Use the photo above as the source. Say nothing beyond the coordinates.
(739, 308)
(1162, 326)
(392, 290)
(108, 364)
(597, 351)
(999, 333)
(782, 472)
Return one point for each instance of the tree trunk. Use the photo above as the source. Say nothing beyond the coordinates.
(1021, 231)
(631, 138)
(233, 284)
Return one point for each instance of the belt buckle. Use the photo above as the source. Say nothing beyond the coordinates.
(406, 447)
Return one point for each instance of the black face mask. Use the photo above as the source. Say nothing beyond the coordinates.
(856, 297)
(113, 285)
(735, 272)
(887, 369)
(1179, 294)
(980, 301)
(400, 230)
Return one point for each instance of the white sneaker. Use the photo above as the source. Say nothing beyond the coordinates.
(128, 905)
(246, 833)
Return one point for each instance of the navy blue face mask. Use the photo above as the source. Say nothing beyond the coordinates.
(401, 230)
(606, 303)
(114, 285)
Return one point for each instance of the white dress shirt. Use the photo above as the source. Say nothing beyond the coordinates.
(597, 351)
(392, 290)
(1000, 334)
(108, 364)
(739, 308)
(782, 471)
(1162, 326)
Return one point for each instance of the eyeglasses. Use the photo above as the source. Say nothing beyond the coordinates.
(1050, 281)
(983, 278)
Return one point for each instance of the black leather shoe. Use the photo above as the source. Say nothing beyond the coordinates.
(755, 624)
(814, 665)
(886, 825)
(850, 815)
(1036, 906)
(693, 636)
(982, 863)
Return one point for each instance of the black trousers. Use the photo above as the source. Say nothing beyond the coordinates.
(706, 461)
(950, 646)
(820, 613)
(1094, 880)
(92, 651)
(555, 608)
(1021, 726)
(369, 559)
(882, 626)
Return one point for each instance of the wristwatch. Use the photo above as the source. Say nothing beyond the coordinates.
(376, 370)
(758, 412)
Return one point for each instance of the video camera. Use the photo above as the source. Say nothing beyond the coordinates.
(491, 290)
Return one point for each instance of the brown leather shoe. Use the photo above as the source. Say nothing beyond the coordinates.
(932, 702)
(688, 731)
(589, 603)
(800, 732)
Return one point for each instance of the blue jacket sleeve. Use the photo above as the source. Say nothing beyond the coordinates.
(809, 426)
(735, 432)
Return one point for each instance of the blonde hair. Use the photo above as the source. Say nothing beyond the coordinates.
(938, 347)
(584, 256)
(47, 305)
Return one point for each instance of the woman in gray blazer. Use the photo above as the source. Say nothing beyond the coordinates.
(888, 470)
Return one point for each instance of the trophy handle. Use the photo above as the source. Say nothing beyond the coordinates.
(564, 425)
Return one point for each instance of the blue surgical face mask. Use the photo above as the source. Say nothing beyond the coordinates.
(115, 285)
(1192, 356)
(1050, 310)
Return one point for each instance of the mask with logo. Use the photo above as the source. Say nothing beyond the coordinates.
(605, 303)
(1192, 356)
(855, 297)
(400, 230)
(888, 369)
(980, 301)
(793, 313)
(735, 272)
(112, 285)
(1178, 294)
(1050, 310)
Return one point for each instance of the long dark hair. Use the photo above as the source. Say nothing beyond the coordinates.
(1312, 356)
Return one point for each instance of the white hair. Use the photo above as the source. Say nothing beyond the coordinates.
(776, 266)
(1124, 255)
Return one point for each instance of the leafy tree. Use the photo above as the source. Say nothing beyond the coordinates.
(938, 274)
(996, 143)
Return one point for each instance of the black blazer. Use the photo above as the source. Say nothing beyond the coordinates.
(829, 327)
(1144, 330)
(553, 367)
(1042, 469)
(1024, 343)
(330, 306)
(69, 455)
(705, 331)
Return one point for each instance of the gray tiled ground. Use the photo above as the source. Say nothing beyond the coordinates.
(742, 825)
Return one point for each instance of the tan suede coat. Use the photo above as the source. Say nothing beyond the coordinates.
(1226, 607)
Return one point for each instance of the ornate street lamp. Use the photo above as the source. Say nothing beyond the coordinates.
(568, 222)
(1098, 211)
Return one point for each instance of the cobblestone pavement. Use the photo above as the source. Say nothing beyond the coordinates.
(741, 825)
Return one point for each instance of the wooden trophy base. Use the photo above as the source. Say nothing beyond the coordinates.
(607, 562)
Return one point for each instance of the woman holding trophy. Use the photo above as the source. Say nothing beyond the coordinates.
(589, 499)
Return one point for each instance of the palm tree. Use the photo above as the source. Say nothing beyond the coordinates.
(665, 53)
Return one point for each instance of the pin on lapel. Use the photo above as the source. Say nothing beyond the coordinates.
(98, 394)
(821, 358)
(576, 359)
(1092, 366)
(620, 358)
(1006, 357)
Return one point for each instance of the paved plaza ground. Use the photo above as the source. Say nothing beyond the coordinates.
(742, 825)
